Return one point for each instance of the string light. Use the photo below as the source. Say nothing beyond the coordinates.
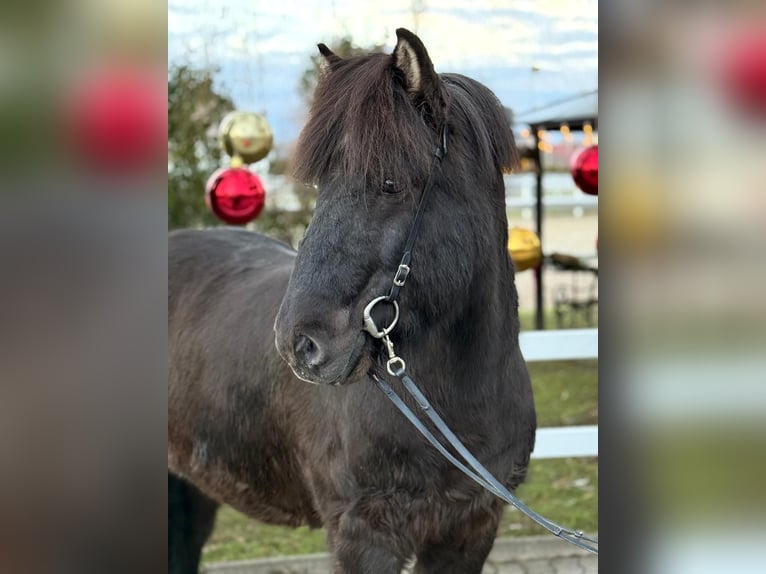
(564, 129)
(545, 147)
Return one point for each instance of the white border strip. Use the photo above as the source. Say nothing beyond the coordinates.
(564, 442)
(559, 345)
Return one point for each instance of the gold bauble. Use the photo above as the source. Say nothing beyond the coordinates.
(247, 135)
(524, 248)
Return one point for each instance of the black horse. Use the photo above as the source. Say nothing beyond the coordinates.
(243, 427)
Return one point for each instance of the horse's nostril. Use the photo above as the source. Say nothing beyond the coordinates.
(308, 351)
(304, 345)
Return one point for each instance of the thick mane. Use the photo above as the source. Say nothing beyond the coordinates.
(477, 113)
(363, 124)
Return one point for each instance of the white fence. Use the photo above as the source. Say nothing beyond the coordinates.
(560, 442)
(560, 192)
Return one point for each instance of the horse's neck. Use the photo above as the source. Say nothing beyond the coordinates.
(472, 347)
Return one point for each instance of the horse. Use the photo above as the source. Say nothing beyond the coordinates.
(271, 406)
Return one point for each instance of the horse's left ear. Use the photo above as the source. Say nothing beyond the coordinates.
(411, 58)
(327, 58)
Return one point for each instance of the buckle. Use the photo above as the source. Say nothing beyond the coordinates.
(401, 275)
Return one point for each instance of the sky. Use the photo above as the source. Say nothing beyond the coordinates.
(262, 47)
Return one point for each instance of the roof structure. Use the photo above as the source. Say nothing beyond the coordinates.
(574, 111)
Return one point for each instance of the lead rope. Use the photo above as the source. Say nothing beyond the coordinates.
(396, 366)
(477, 472)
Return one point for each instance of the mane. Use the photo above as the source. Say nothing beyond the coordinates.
(477, 113)
(363, 124)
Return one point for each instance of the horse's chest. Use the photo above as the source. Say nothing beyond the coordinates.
(396, 483)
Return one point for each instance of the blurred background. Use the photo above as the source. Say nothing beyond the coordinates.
(683, 223)
(83, 286)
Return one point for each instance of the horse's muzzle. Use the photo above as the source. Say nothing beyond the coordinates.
(317, 357)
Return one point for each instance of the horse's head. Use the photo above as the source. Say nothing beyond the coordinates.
(368, 147)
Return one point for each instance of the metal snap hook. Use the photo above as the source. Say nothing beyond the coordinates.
(369, 322)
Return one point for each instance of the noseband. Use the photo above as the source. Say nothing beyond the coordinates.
(396, 367)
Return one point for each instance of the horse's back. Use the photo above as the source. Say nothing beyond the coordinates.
(224, 289)
(211, 258)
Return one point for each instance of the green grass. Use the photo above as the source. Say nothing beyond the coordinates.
(237, 537)
(566, 392)
(564, 490)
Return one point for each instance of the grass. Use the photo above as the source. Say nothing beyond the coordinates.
(564, 490)
(237, 537)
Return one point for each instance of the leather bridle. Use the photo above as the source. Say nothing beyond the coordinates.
(396, 367)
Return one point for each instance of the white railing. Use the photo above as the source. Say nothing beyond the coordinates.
(560, 192)
(567, 344)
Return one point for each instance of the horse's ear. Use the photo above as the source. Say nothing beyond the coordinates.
(411, 58)
(327, 58)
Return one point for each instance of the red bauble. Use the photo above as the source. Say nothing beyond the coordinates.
(743, 70)
(235, 195)
(117, 120)
(584, 167)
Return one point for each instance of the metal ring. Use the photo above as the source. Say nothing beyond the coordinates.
(399, 371)
(369, 322)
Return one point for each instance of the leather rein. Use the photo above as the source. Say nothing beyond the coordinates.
(396, 367)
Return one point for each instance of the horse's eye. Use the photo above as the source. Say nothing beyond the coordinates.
(390, 186)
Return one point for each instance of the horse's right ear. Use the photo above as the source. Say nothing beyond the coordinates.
(411, 58)
(327, 58)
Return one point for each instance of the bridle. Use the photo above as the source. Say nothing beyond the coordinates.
(396, 367)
